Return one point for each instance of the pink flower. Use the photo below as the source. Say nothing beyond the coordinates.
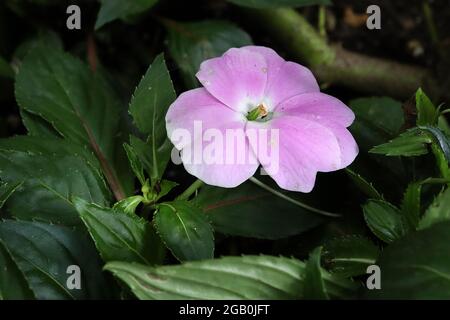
(253, 88)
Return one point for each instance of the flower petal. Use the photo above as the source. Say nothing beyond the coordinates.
(347, 144)
(303, 148)
(320, 105)
(284, 79)
(237, 79)
(206, 153)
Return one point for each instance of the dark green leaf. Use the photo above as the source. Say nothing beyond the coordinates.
(52, 171)
(438, 211)
(261, 4)
(44, 252)
(314, 286)
(37, 126)
(378, 119)
(118, 9)
(55, 146)
(119, 235)
(46, 37)
(416, 267)
(135, 163)
(247, 277)
(384, 220)
(79, 104)
(13, 285)
(349, 256)
(143, 151)
(366, 187)
(410, 143)
(5, 69)
(148, 107)
(253, 212)
(6, 190)
(185, 230)
(411, 205)
(426, 111)
(192, 43)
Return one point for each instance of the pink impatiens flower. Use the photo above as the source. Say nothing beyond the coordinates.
(253, 88)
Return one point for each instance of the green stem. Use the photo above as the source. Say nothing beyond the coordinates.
(190, 190)
(289, 199)
(322, 21)
(428, 13)
(435, 181)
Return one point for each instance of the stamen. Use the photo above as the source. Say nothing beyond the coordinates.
(258, 113)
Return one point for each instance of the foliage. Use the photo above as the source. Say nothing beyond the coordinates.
(91, 182)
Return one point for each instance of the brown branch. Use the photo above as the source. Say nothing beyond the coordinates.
(333, 64)
(110, 176)
(91, 52)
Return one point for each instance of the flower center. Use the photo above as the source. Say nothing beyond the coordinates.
(259, 113)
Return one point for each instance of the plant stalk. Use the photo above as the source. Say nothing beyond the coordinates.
(190, 190)
(289, 199)
(334, 64)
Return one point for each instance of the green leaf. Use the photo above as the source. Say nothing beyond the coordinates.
(441, 161)
(366, 187)
(438, 211)
(6, 190)
(5, 69)
(143, 151)
(46, 37)
(377, 119)
(410, 208)
(185, 230)
(260, 214)
(416, 267)
(349, 256)
(79, 104)
(118, 9)
(410, 143)
(119, 235)
(441, 139)
(443, 123)
(384, 220)
(264, 4)
(149, 105)
(191, 43)
(247, 277)
(52, 171)
(37, 126)
(128, 205)
(13, 285)
(163, 188)
(56, 146)
(135, 163)
(426, 111)
(314, 286)
(44, 252)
